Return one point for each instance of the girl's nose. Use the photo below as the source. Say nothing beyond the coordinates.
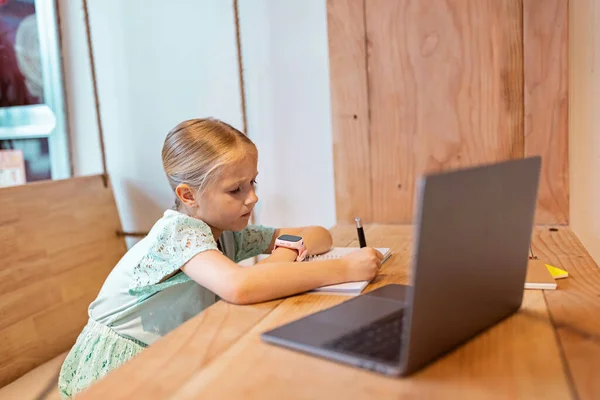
(252, 197)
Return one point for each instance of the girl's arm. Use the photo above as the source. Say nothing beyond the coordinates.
(271, 280)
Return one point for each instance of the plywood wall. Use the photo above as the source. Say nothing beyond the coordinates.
(426, 85)
(545, 27)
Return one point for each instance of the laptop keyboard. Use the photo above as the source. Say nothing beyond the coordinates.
(380, 339)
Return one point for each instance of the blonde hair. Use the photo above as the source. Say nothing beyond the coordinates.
(195, 152)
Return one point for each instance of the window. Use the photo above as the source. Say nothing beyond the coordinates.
(32, 118)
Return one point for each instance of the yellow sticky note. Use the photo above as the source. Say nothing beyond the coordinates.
(557, 273)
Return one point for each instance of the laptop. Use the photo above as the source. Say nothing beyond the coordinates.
(473, 229)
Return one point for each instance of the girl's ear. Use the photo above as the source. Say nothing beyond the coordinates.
(186, 195)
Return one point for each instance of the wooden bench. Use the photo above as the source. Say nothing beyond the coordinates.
(58, 242)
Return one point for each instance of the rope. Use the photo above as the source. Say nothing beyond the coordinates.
(240, 62)
(66, 108)
(238, 43)
(132, 234)
(95, 87)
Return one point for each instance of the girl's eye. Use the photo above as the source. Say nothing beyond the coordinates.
(239, 188)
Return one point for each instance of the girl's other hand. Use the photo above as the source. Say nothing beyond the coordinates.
(363, 264)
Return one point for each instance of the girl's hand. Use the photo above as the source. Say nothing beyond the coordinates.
(363, 264)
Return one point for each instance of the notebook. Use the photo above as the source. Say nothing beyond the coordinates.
(538, 276)
(347, 288)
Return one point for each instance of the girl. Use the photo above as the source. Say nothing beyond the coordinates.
(190, 255)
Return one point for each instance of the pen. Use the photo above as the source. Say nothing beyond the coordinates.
(360, 232)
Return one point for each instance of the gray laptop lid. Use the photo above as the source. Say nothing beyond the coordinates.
(470, 255)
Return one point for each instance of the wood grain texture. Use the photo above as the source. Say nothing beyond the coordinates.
(545, 42)
(349, 109)
(577, 303)
(58, 243)
(583, 358)
(491, 366)
(445, 90)
(575, 306)
(522, 357)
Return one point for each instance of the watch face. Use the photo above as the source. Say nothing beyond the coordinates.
(290, 238)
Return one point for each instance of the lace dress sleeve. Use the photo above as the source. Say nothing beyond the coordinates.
(176, 242)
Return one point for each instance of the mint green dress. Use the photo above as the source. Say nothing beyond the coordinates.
(137, 305)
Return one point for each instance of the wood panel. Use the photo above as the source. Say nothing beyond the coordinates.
(537, 353)
(349, 108)
(446, 91)
(575, 306)
(58, 243)
(583, 359)
(450, 83)
(545, 41)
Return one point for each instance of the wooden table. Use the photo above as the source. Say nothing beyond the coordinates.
(549, 349)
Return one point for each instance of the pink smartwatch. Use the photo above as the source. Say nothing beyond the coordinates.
(292, 242)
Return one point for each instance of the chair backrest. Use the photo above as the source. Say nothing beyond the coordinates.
(58, 242)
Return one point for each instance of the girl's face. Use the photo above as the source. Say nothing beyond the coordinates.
(227, 203)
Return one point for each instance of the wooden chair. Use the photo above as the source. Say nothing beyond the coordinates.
(58, 243)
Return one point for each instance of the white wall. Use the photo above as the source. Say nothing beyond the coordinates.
(584, 123)
(289, 117)
(158, 63)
